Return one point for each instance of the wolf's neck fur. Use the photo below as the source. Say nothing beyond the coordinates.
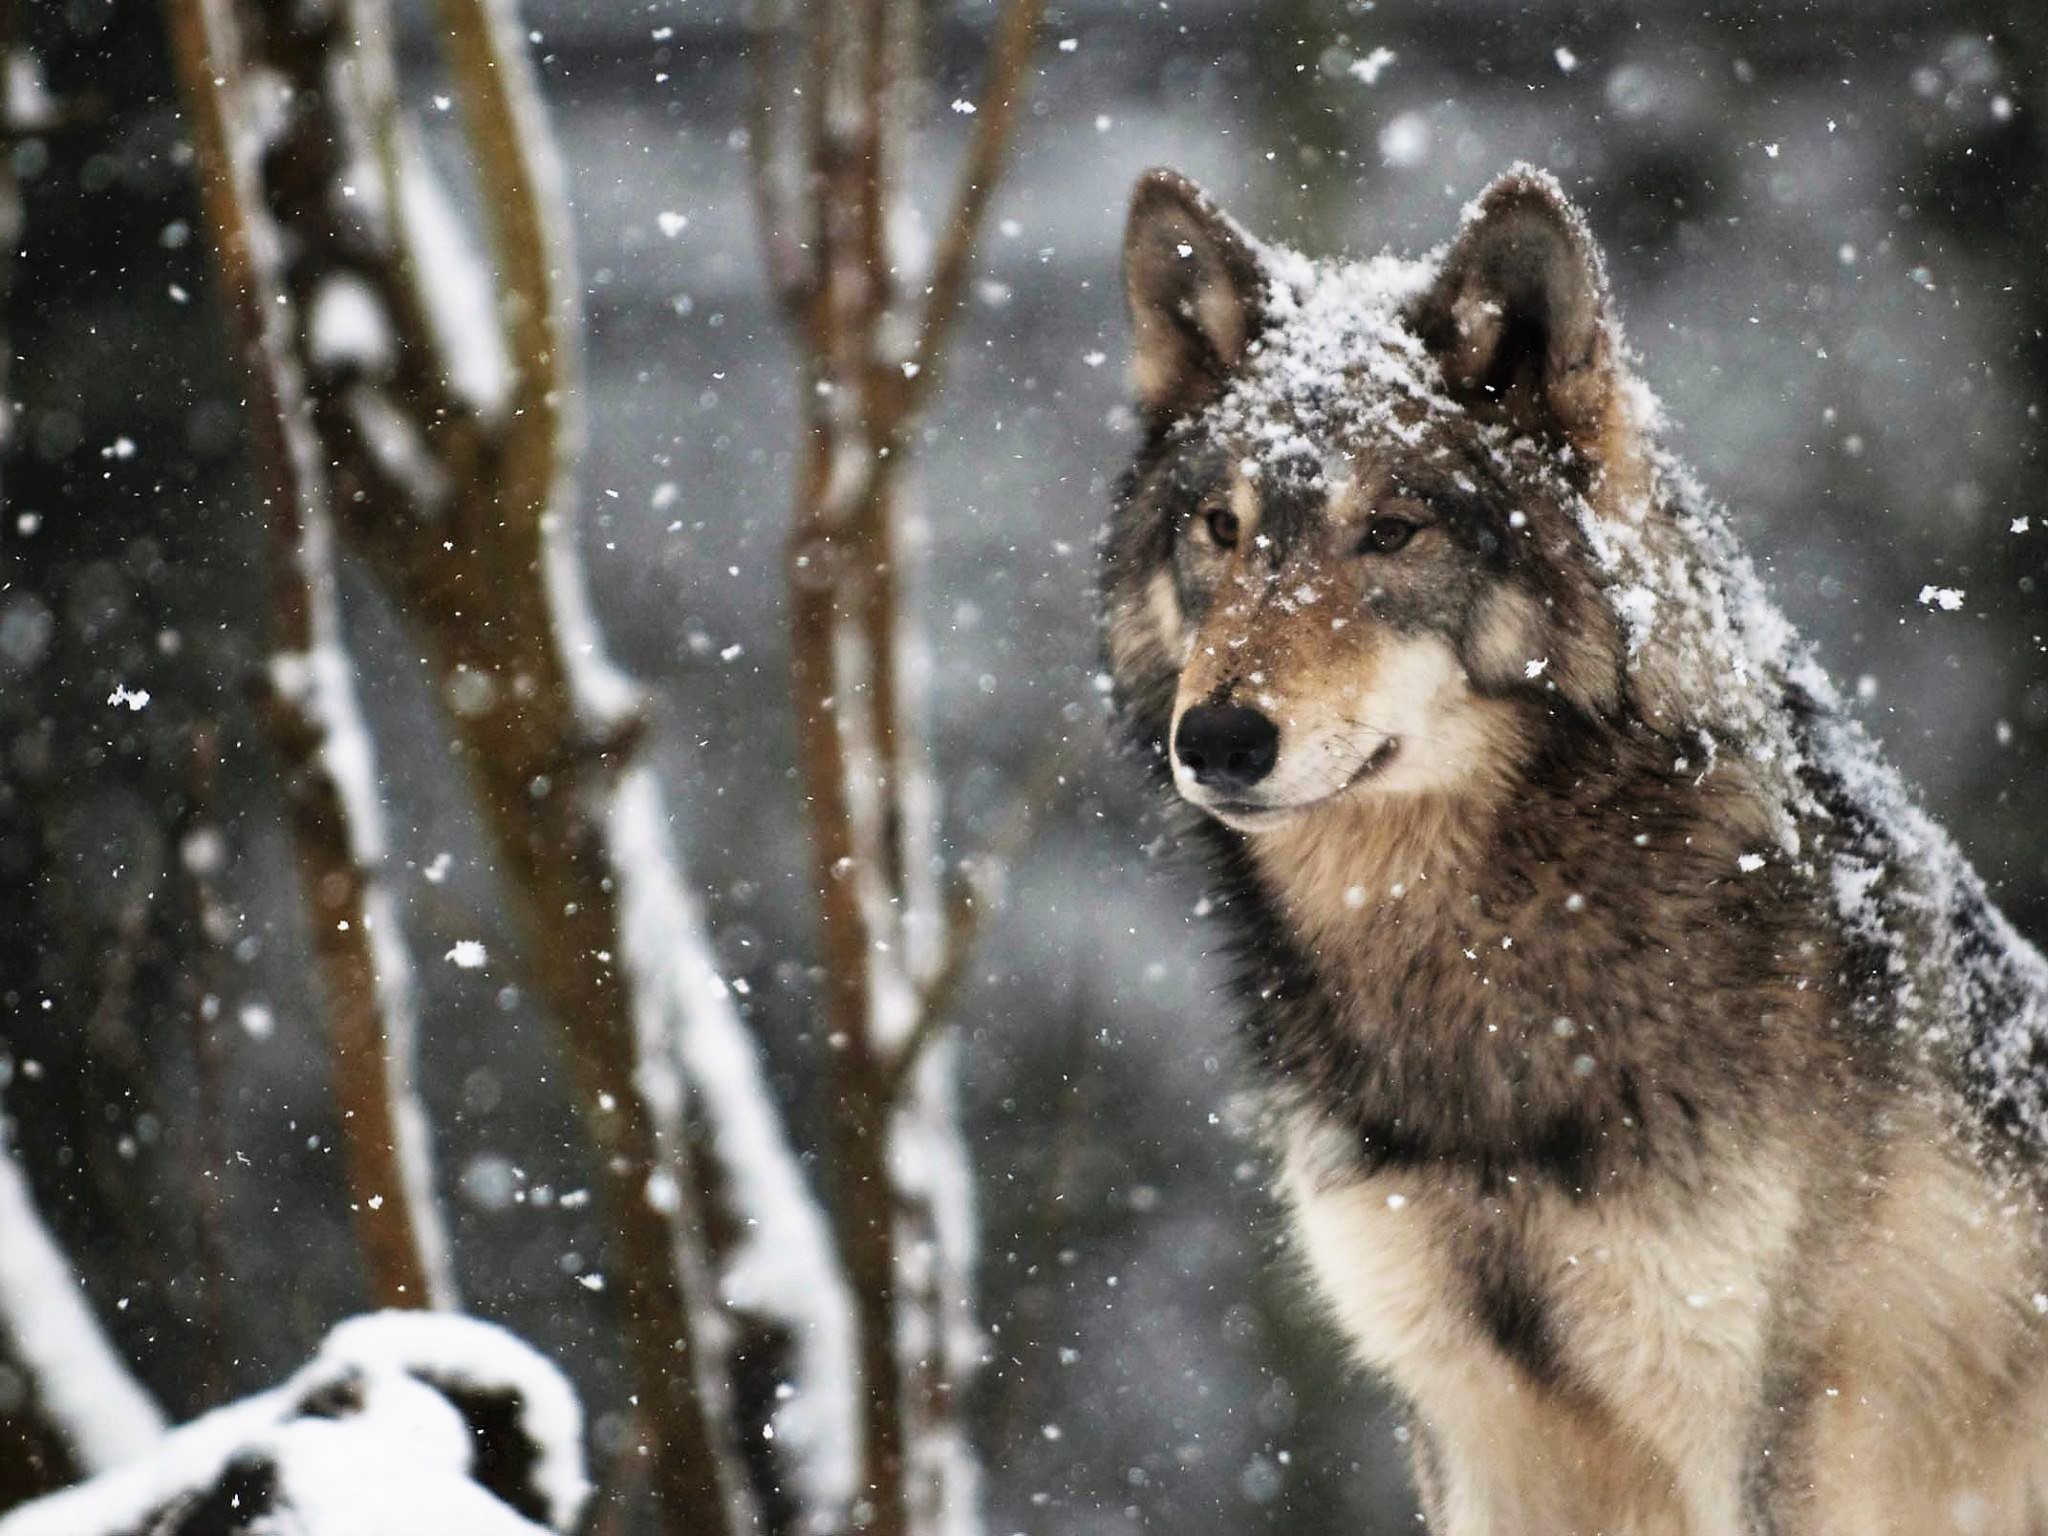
(1493, 978)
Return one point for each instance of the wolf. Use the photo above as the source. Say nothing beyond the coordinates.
(1658, 1099)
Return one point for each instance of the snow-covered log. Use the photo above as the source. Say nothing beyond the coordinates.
(404, 1424)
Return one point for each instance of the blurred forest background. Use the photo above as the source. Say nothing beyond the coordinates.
(1825, 223)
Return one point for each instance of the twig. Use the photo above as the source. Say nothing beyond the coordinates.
(774, 211)
(1016, 40)
(422, 372)
(968, 901)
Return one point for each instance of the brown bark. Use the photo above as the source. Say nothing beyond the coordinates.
(308, 703)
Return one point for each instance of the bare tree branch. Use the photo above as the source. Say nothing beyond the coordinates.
(859, 753)
(775, 211)
(1015, 42)
(526, 208)
(969, 900)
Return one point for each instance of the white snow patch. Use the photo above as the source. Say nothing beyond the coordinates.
(134, 698)
(456, 283)
(30, 106)
(347, 326)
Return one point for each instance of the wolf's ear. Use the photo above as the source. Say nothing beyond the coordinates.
(1196, 290)
(1518, 317)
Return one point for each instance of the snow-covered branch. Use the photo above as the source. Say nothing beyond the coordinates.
(78, 1383)
(310, 702)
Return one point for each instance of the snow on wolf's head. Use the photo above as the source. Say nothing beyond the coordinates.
(1354, 557)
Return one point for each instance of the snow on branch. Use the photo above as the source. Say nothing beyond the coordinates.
(79, 1384)
(404, 1424)
(773, 1247)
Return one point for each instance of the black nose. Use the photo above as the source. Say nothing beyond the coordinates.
(1226, 747)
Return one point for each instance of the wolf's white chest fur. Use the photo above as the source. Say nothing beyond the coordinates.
(1634, 1303)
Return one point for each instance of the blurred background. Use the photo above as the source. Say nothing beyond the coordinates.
(1825, 224)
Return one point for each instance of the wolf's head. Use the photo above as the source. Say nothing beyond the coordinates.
(1353, 558)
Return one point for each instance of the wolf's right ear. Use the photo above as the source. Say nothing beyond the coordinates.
(1196, 289)
(1518, 316)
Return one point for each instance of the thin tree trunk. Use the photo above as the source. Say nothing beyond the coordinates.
(901, 1209)
(310, 706)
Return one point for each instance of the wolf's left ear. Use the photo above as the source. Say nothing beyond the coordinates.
(1196, 290)
(1518, 317)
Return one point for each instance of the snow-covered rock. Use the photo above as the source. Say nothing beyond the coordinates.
(404, 1424)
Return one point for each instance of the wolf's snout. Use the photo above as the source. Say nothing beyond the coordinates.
(1225, 746)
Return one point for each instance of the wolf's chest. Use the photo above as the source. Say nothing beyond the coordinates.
(1382, 1265)
(1426, 1275)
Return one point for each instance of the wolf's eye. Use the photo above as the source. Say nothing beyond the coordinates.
(1222, 525)
(1384, 535)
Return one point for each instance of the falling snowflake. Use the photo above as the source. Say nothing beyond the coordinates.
(1369, 69)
